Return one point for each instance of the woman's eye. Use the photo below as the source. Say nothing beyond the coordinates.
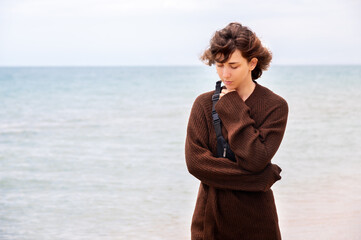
(234, 67)
(218, 65)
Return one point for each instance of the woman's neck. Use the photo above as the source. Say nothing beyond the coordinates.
(246, 90)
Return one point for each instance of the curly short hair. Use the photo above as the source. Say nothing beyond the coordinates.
(235, 36)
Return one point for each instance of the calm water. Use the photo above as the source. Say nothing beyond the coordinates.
(98, 153)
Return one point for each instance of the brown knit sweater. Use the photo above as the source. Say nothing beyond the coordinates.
(234, 199)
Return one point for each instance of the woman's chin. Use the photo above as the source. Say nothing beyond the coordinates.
(229, 87)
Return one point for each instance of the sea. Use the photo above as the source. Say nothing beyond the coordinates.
(98, 152)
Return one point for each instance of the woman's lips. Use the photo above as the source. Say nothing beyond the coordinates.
(228, 82)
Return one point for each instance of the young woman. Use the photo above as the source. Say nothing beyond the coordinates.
(234, 199)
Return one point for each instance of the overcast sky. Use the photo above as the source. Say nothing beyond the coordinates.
(173, 32)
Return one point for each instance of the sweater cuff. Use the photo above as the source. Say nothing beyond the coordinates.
(231, 106)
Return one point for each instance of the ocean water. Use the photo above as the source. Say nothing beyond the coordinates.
(98, 152)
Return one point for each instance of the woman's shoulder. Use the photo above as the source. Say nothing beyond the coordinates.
(269, 97)
(204, 99)
(263, 95)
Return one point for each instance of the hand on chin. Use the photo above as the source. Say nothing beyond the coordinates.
(225, 91)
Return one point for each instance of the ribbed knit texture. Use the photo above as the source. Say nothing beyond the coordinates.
(234, 199)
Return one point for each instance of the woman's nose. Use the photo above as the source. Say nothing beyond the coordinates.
(226, 73)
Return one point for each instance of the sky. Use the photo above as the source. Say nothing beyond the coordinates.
(173, 32)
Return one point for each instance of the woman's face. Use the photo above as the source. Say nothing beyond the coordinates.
(236, 72)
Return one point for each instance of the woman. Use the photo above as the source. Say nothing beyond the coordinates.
(234, 199)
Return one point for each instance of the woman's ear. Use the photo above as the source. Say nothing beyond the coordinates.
(253, 63)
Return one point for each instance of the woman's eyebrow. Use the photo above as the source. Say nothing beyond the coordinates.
(233, 62)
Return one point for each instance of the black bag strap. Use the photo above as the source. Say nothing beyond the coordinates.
(216, 119)
(223, 149)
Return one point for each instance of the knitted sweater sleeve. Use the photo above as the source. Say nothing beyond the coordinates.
(253, 146)
(220, 172)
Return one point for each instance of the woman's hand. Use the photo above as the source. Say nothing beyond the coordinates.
(225, 91)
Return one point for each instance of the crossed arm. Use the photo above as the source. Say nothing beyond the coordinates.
(253, 170)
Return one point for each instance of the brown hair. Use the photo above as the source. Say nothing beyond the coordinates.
(235, 36)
